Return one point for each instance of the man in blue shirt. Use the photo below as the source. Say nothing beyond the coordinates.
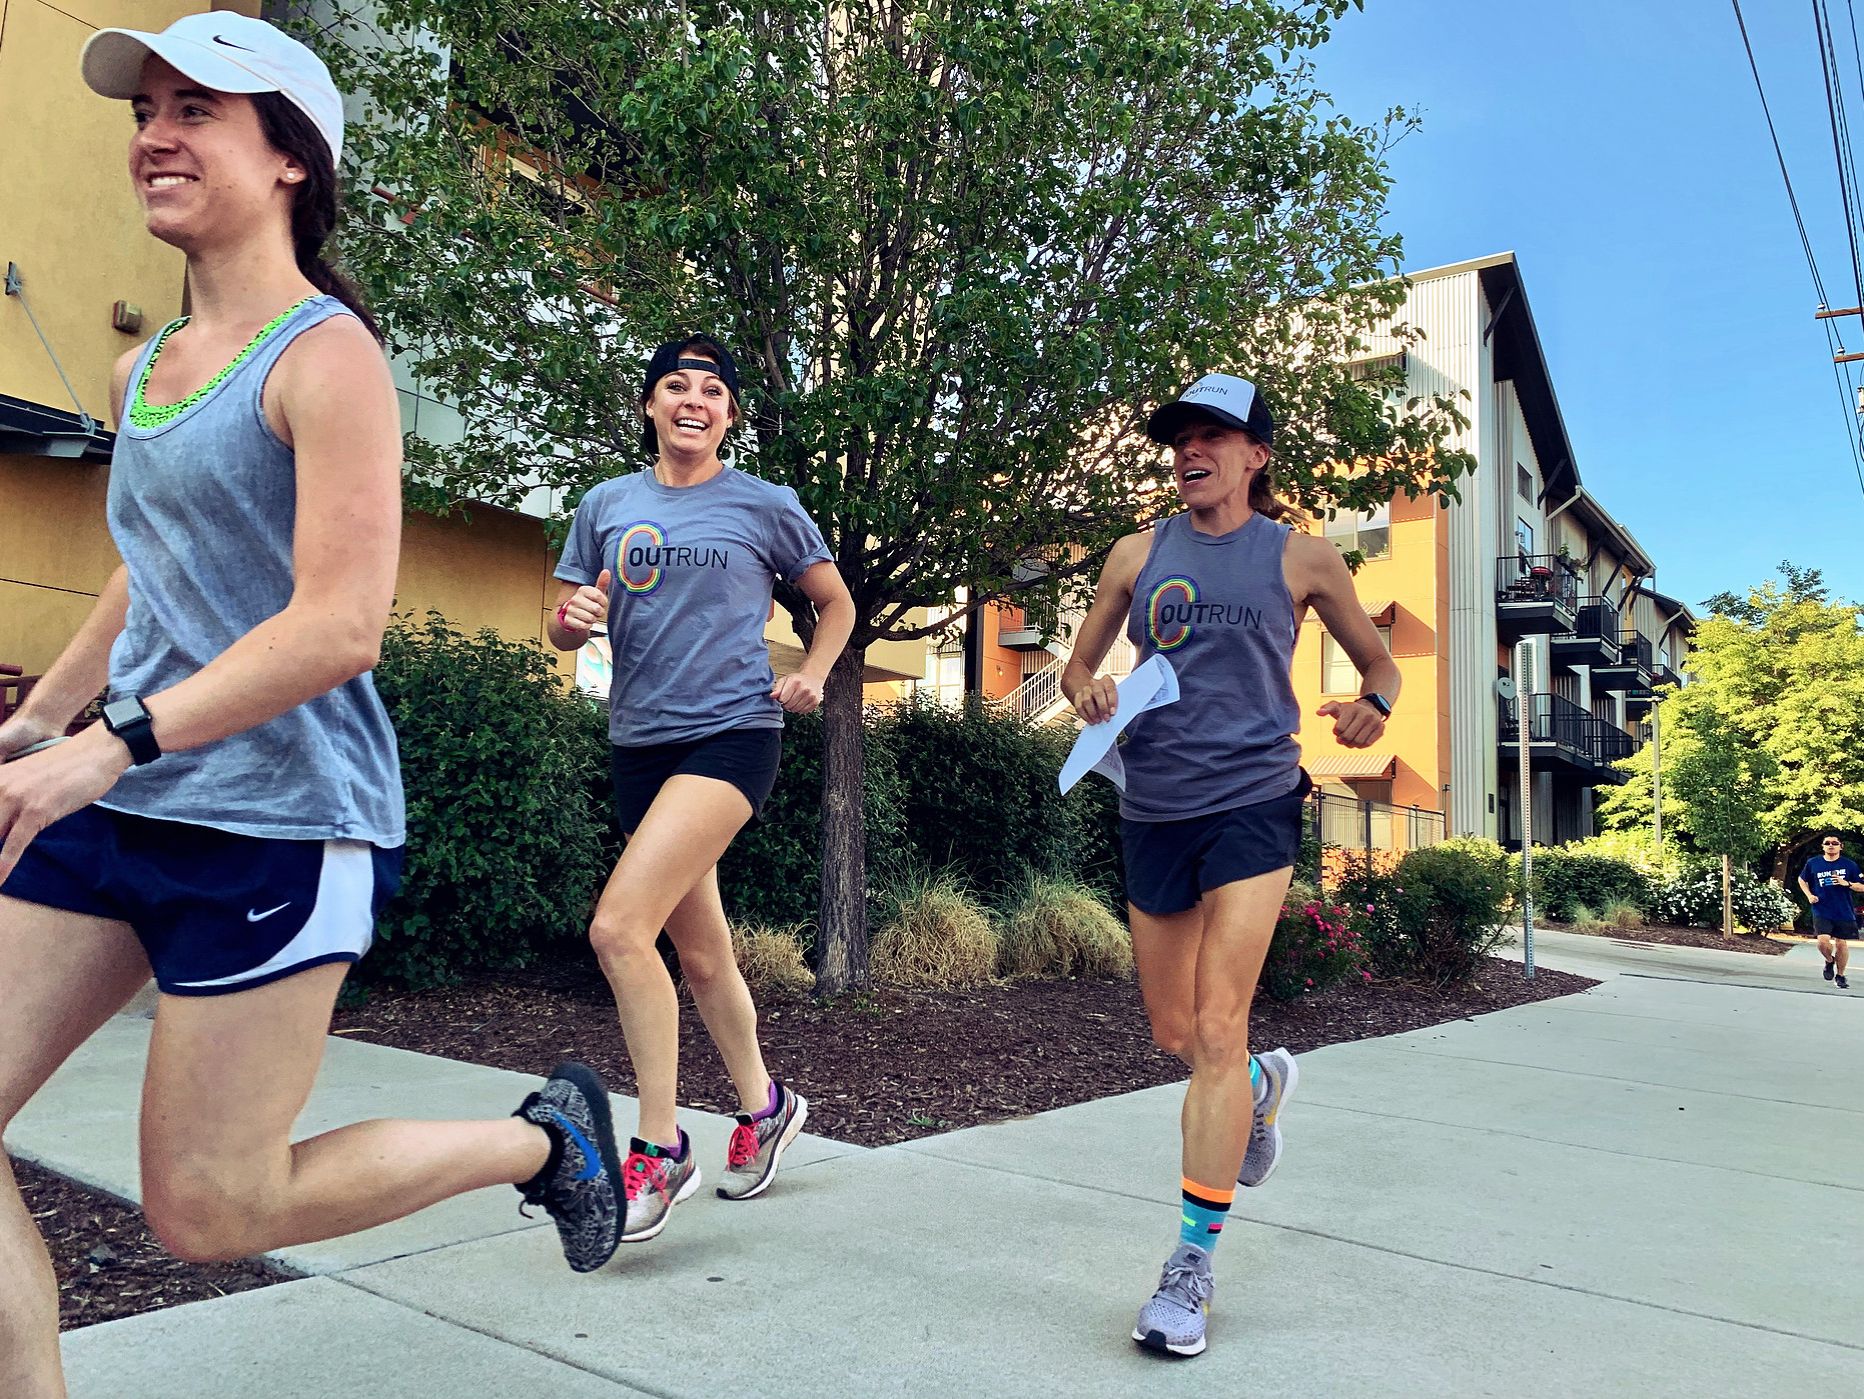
(1827, 881)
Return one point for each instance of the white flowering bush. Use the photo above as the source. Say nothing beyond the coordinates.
(1694, 899)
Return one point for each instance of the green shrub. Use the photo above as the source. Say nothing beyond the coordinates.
(509, 831)
(1370, 893)
(1451, 906)
(1635, 848)
(1314, 946)
(1057, 926)
(1565, 879)
(1492, 859)
(932, 933)
(772, 874)
(979, 794)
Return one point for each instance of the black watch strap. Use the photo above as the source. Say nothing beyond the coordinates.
(128, 718)
(1380, 703)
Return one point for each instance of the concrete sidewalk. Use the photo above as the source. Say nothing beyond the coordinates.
(1643, 1190)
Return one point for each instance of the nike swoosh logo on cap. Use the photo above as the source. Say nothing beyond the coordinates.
(230, 44)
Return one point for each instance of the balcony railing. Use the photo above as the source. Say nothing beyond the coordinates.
(1536, 578)
(1637, 650)
(1349, 824)
(1581, 737)
(1598, 620)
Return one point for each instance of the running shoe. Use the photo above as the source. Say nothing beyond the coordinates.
(579, 1186)
(757, 1144)
(1831, 968)
(654, 1183)
(1843, 985)
(1172, 1323)
(1280, 1073)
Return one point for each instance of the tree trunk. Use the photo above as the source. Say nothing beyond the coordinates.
(841, 937)
(1728, 906)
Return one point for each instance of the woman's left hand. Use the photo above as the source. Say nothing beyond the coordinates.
(799, 693)
(49, 785)
(1356, 724)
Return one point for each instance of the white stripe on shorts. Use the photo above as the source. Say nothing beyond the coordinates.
(342, 921)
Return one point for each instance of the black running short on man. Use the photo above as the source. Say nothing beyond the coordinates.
(1171, 865)
(746, 758)
(215, 912)
(1832, 928)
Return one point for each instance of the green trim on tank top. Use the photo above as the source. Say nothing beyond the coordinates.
(149, 415)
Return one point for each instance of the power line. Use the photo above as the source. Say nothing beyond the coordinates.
(1833, 340)
(1841, 138)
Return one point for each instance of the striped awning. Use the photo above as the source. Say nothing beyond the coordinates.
(1380, 612)
(1345, 765)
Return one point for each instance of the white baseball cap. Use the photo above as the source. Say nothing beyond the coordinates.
(1230, 400)
(226, 53)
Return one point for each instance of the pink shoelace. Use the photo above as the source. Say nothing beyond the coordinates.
(743, 1148)
(642, 1172)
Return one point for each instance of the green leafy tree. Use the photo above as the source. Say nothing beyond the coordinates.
(1767, 742)
(960, 249)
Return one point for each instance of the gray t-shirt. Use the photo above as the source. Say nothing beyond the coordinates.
(693, 568)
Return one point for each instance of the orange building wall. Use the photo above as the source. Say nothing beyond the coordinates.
(1003, 667)
(1416, 578)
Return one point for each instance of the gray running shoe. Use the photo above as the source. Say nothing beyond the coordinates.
(580, 1184)
(1172, 1323)
(757, 1144)
(1280, 1073)
(654, 1183)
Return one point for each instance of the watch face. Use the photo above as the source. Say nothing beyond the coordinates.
(123, 711)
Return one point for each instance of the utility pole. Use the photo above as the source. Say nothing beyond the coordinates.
(1656, 771)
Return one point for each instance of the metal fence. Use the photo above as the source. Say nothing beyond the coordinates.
(1346, 823)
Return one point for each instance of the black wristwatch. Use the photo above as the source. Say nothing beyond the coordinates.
(129, 720)
(1380, 703)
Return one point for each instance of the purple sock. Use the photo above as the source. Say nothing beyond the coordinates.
(776, 1101)
(678, 1150)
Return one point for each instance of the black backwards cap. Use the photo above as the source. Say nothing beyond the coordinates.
(672, 357)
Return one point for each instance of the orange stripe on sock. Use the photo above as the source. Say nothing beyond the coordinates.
(1213, 1194)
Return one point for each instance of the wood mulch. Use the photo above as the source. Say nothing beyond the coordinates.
(108, 1263)
(879, 1067)
(1761, 943)
(889, 1066)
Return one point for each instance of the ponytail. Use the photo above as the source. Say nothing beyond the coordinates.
(1264, 501)
(314, 203)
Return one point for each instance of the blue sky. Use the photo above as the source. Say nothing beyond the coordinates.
(1618, 148)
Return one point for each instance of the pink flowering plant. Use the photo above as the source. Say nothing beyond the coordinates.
(1315, 945)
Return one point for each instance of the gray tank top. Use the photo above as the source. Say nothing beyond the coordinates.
(1217, 608)
(202, 507)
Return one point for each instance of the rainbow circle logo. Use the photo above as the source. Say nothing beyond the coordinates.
(637, 557)
(1174, 595)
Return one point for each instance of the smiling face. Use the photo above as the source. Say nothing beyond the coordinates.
(200, 162)
(1213, 463)
(691, 409)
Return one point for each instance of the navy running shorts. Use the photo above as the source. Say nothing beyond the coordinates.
(215, 912)
(746, 758)
(1831, 927)
(1171, 865)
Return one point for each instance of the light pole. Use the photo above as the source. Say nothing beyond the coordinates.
(1524, 709)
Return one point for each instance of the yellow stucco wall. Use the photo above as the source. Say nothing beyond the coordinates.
(1415, 578)
(71, 221)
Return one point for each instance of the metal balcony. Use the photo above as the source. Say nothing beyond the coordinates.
(1535, 595)
(1636, 666)
(1593, 641)
(1564, 737)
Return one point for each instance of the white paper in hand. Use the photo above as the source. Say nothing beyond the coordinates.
(1151, 685)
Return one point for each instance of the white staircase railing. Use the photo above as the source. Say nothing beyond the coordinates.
(1039, 697)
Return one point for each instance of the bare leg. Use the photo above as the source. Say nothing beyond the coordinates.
(61, 976)
(678, 841)
(227, 1077)
(1219, 1106)
(703, 936)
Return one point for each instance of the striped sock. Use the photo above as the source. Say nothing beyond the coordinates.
(1205, 1209)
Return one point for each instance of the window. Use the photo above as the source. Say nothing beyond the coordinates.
(1524, 481)
(1523, 538)
(1338, 674)
(1370, 533)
